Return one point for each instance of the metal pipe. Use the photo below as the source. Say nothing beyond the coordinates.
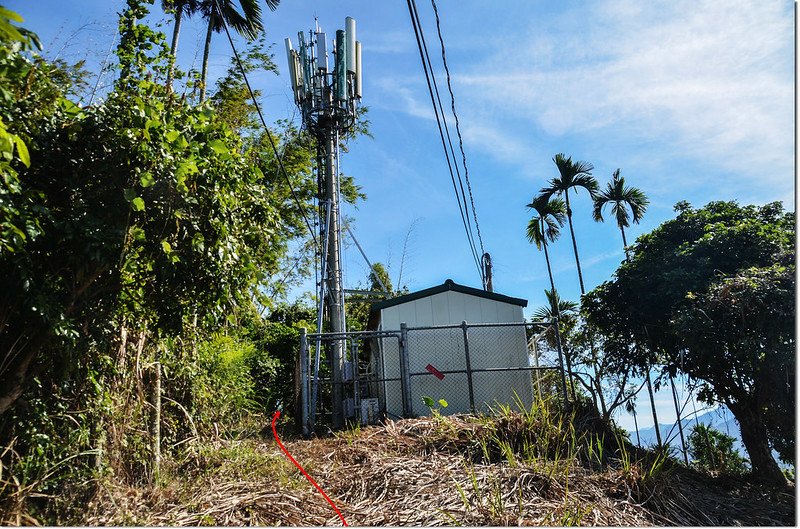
(405, 379)
(335, 283)
(464, 328)
(347, 227)
(304, 382)
(322, 281)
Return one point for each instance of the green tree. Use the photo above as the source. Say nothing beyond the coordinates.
(572, 175)
(710, 294)
(713, 450)
(221, 13)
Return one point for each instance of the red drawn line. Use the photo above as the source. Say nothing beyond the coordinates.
(285, 451)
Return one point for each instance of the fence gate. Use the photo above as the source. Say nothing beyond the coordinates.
(474, 367)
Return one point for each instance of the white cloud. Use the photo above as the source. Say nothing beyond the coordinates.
(710, 80)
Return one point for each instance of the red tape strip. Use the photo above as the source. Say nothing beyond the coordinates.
(435, 372)
(285, 451)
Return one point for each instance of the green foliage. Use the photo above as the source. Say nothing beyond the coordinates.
(223, 389)
(359, 306)
(133, 233)
(713, 450)
(711, 294)
(434, 405)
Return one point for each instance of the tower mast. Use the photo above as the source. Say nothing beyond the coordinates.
(328, 101)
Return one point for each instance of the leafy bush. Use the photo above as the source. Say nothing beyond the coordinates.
(713, 450)
(223, 391)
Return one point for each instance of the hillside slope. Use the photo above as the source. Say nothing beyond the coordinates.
(441, 471)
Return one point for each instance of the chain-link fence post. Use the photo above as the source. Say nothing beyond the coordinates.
(303, 359)
(561, 360)
(405, 378)
(469, 366)
(356, 385)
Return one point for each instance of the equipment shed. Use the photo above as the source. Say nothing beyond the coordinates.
(465, 345)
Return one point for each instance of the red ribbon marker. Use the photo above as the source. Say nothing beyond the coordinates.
(435, 372)
(275, 433)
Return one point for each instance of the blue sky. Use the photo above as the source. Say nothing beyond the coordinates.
(692, 100)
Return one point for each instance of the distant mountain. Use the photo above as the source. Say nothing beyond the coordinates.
(719, 419)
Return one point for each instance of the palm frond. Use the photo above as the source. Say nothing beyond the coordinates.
(246, 23)
(556, 307)
(586, 181)
(534, 232)
(637, 201)
(620, 212)
(551, 211)
(600, 200)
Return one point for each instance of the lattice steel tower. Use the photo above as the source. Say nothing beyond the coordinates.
(329, 101)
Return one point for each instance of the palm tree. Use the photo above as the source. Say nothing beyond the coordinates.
(622, 198)
(221, 13)
(180, 8)
(546, 225)
(572, 175)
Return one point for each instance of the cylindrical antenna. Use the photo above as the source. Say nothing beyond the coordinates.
(322, 51)
(340, 71)
(358, 69)
(350, 46)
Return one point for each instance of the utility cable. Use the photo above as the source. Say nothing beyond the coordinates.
(444, 118)
(458, 128)
(266, 128)
(463, 197)
(417, 30)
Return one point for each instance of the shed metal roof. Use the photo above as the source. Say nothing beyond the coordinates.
(447, 285)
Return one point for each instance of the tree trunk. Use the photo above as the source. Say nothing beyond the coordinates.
(173, 51)
(574, 243)
(547, 259)
(569, 373)
(13, 383)
(206, 50)
(555, 312)
(756, 441)
(624, 244)
(680, 423)
(653, 408)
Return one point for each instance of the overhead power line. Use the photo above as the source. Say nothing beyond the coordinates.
(458, 128)
(443, 130)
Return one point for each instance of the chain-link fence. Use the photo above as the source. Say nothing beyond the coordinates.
(364, 376)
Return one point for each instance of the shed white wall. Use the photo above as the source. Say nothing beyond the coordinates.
(444, 349)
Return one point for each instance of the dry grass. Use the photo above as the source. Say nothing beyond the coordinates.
(428, 472)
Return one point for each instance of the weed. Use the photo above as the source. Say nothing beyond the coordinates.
(572, 515)
(450, 518)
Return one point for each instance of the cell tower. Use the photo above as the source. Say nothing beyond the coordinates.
(328, 100)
